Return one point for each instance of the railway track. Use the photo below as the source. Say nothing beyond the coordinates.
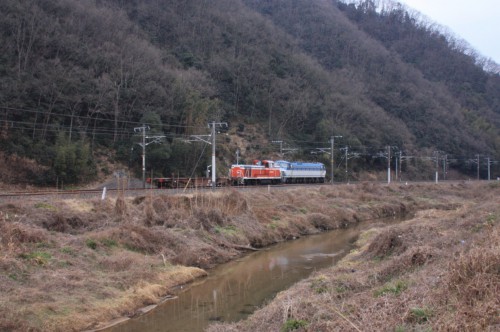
(131, 192)
(44, 195)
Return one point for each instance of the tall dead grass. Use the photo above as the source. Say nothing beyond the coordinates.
(387, 243)
(93, 258)
(121, 208)
(230, 202)
(408, 261)
(15, 235)
(323, 222)
(473, 284)
(141, 238)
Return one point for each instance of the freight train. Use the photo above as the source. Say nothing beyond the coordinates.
(260, 172)
(275, 172)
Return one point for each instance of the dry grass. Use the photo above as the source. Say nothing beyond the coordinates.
(473, 287)
(438, 271)
(66, 265)
(387, 243)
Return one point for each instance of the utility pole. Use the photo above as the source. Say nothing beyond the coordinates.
(477, 167)
(143, 144)
(396, 167)
(204, 138)
(214, 169)
(388, 164)
(237, 156)
(346, 173)
(437, 166)
(489, 163)
(445, 162)
(400, 165)
(281, 147)
(332, 141)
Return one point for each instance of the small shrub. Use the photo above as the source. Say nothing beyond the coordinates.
(91, 243)
(109, 243)
(477, 228)
(105, 170)
(68, 250)
(320, 284)
(341, 289)
(491, 219)
(273, 225)
(38, 257)
(45, 206)
(56, 222)
(132, 248)
(226, 230)
(394, 289)
(420, 315)
(293, 324)
(64, 263)
(44, 244)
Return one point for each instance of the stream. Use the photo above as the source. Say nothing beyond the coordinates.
(236, 289)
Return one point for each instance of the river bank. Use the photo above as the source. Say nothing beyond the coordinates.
(68, 265)
(438, 271)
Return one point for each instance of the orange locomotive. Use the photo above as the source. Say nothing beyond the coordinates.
(260, 172)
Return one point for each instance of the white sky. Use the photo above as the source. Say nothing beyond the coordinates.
(476, 21)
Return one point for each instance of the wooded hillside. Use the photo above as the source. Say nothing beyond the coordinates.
(77, 76)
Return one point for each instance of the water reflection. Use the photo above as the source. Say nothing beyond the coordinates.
(235, 290)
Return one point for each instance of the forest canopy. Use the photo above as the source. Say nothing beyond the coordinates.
(77, 76)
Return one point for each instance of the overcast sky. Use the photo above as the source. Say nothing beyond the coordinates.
(476, 21)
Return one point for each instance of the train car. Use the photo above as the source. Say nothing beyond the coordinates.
(300, 172)
(260, 172)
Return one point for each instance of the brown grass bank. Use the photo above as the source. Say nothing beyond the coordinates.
(439, 271)
(67, 265)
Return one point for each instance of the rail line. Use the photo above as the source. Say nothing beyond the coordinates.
(134, 192)
(130, 192)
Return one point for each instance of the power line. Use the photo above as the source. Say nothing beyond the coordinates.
(91, 117)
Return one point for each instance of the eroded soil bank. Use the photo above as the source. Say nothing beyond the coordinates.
(68, 265)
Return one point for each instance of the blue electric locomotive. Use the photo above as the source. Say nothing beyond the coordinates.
(300, 172)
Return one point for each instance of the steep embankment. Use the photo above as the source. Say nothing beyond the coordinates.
(66, 265)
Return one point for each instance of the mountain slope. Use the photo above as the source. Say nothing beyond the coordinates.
(79, 76)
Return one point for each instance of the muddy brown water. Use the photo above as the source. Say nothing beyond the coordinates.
(236, 289)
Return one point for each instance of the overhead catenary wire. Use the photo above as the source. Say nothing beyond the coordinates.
(94, 127)
(91, 117)
(16, 124)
